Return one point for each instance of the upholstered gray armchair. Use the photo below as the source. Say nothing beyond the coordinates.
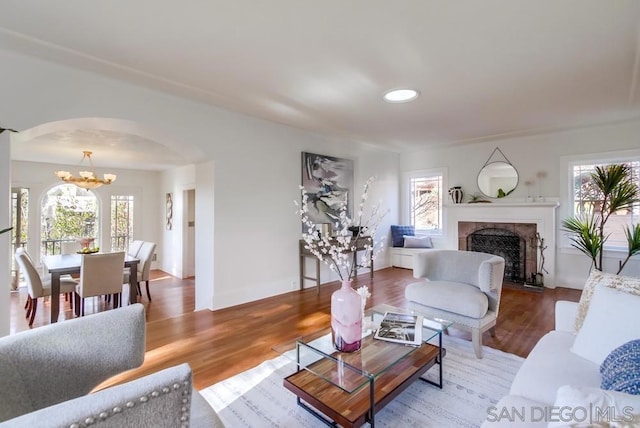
(46, 374)
(460, 286)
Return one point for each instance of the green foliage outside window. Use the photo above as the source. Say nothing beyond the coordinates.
(69, 213)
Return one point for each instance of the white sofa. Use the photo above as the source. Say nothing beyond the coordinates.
(558, 387)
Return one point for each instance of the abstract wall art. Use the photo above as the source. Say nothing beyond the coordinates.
(328, 182)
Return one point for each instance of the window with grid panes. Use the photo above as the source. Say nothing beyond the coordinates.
(585, 200)
(425, 202)
(121, 221)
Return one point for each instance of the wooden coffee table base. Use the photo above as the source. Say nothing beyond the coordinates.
(356, 408)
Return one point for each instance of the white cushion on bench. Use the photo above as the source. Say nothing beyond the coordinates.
(403, 257)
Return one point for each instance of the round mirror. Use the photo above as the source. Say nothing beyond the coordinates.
(497, 179)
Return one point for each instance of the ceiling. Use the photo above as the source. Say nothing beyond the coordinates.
(486, 69)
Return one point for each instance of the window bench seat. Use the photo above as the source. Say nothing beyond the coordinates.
(403, 257)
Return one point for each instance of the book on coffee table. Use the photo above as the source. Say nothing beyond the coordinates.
(400, 328)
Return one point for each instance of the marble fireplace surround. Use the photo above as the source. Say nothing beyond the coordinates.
(542, 214)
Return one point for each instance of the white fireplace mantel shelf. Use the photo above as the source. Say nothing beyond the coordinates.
(553, 204)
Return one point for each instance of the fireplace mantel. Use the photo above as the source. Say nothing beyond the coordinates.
(542, 214)
(552, 204)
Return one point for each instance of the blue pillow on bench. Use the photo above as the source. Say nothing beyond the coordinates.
(398, 233)
(621, 369)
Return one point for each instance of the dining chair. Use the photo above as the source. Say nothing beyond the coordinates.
(134, 247)
(132, 251)
(36, 285)
(145, 255)
(100, 275)
(71, 247)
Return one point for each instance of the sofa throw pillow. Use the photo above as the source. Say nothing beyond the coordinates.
(417, 241)
(398, 233)
(612, 320)
(625, 283)
(621, 369)
(589, 406)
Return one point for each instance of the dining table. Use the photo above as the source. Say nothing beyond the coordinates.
(63, 264)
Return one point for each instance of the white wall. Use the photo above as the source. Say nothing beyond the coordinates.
(5, 238)
(206, 287)
(530, 156)
(175, 181)
(189, 234)
(247, 199)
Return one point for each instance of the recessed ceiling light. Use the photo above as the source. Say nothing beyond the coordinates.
(401, 95)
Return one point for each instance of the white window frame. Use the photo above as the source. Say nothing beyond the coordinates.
(406, 197)
(131, 199)
(567, 164)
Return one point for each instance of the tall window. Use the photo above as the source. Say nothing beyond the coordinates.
(121, 221)
(586, 201)
(20, 223)
(68, 213)
(425, 202)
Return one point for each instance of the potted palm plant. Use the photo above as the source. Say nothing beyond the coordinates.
(611, 189)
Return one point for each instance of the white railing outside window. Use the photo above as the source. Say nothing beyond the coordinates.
(121, 221)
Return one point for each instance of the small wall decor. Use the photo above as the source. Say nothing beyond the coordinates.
(327, 182)
(169, 218)
(541, 176)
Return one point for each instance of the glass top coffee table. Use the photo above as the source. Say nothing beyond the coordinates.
(350, 388)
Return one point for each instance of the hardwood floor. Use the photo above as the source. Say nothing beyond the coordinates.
(222, 343)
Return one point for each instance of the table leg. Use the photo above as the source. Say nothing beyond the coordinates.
(302, 274)
(55, 296)
(439, 384)
(318, 275)
(133, 283)
(371, 270)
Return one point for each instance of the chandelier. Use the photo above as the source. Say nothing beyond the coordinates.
(86, 179)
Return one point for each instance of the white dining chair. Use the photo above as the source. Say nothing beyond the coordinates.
(36, 285)
(134, 247)
(100, 275)
(145, 255)
(71, 247)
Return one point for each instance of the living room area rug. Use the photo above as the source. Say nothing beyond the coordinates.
(257, 398)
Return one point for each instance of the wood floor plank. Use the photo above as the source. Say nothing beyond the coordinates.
(219, 344)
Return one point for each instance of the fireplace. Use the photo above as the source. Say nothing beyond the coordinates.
(522, 218)
(515, 242)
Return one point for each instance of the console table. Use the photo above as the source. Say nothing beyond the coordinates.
(360, 244)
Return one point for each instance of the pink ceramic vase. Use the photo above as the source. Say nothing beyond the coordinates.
(346, 318)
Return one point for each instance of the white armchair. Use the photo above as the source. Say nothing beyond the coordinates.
(460, 286)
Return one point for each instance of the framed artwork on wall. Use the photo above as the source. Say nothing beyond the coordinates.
(169, 204)
(328, 182)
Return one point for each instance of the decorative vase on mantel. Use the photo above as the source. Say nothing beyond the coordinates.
(457, 195)
(346, 318)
